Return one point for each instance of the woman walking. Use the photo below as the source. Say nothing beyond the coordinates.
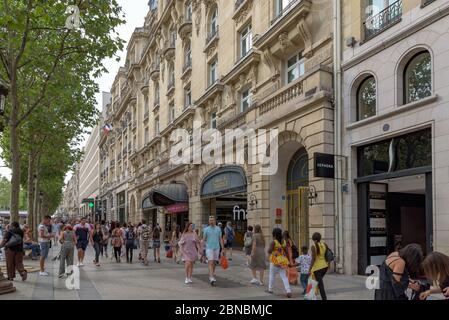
(13, 242)
(97, 238)
(130, 245)
(258, 257)
(278, 261)
(396, 272)
(176, 235)
(319, 263)
(117, 242)
(292, 273)
(189, 245)
(248, 243)
(68, 243)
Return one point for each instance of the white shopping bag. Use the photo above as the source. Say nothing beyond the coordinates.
(311, 289)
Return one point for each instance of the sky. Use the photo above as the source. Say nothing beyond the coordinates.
(135, 12)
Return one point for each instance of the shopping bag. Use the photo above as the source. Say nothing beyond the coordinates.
(292, 274)
(224, 262)
(311, 289)
(169, 253)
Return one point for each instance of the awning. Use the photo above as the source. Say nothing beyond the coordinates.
(168, 194)
(147, 204)
(224, 181)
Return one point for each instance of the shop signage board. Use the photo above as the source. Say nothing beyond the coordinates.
(239, 213)
(177, 208)
(324, 165)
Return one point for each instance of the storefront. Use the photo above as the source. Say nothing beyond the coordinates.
(175, 201)
(224, 192)
(394, 196)
(121, 207)
(149, 211)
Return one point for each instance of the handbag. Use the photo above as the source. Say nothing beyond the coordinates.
(292, 274)
(14, 241)
(328, 255)
(311, 289)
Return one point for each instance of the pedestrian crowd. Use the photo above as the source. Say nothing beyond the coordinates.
(405, 274)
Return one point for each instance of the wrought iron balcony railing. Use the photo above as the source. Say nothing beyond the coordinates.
(211, 35)
(383, 20)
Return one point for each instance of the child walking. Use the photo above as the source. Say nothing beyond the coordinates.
(304, 261)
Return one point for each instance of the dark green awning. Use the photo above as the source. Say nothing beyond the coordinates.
(167, 194)
(224, 181)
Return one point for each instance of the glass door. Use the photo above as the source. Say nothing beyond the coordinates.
(298, 216)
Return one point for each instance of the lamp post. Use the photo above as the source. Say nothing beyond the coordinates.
(6, 286)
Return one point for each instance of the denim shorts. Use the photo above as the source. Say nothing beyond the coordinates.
(45, 248)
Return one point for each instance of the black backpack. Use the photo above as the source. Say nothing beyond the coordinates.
(329, 255)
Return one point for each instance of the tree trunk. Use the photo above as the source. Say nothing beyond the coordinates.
(30, 195)
(15, 147)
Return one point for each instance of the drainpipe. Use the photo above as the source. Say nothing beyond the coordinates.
(338, 112)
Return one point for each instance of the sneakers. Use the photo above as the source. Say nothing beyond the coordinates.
(43, 274)
(212, 281)
(289, 295)
(190, 280)
(187, 281)
(254, 281)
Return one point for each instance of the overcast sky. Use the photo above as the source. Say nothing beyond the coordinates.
(135, 12)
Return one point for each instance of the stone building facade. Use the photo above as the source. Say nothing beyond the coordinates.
(396, 128)
(226, 65)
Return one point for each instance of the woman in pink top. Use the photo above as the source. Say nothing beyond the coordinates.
(189, 245)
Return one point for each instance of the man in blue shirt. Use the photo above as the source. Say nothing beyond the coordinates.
(213, 237)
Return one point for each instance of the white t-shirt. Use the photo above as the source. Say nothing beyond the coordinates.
(46, 233)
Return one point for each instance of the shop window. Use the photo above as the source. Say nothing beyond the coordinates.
(418, 77)
(409, 151)
(366, 99)
(295, 67)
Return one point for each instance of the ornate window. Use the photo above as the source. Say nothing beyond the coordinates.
(246, 41)
(295, 67)
(213, 73)
(418, 77)
(213, 23)
(187, 55)
(171, 112)
(187, 97)
(245, 100)
(156, 126)
(188, 12)
(366, 99)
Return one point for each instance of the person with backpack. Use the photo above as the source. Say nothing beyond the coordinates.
(130, 245)
(278, 261)
(157, 243)
(229, 239)
(144, 233)
(13, 242)
(319, 262)
(248, 244)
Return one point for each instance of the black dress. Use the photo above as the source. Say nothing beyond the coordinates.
(389, 288)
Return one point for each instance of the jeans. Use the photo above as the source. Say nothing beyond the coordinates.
(282, 273)
(117, 253)
(97, 248)
(319, 275)
(33, 247)
(129, 252)
(304, 279)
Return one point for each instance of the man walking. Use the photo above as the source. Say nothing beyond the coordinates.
(44, 242)
(144, 234)
(213, 238)
(106, 235)
(83, 236)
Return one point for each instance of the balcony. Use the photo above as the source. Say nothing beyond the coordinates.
(283, 96)
(155, 71)
(156, 104)
(383, 20)
(212, 37)
(187, 69)
(185, 29)
(171, 86)
(169, 50)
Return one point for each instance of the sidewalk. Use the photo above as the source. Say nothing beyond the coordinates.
(166, 281)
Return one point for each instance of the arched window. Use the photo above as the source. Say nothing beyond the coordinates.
(187, 55)
(418, 77)
(366, 99)
(298, 170)
(213, 23)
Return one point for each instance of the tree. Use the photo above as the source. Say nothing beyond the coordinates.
(35, 46)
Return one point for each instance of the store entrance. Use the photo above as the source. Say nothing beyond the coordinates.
(399, 213)
(233, 209)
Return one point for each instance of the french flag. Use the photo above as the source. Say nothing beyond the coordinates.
(107, 128)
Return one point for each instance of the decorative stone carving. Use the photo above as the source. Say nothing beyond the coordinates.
(243, 12)
(208, 4)
(306, 35)
(196, 6)
(212, 48)
(284, 41)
